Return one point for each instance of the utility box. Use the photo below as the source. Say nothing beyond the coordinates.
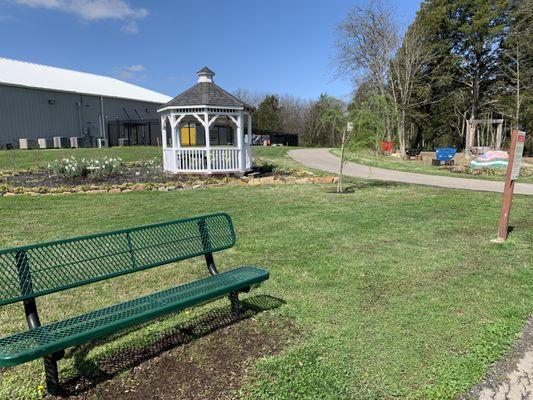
(26, 144)
(79, 142)
(101, 142)
(61, 142)
(45, 143)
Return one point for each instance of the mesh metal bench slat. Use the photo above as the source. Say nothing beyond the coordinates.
(47, 339)
(64, 264)
(36, 270)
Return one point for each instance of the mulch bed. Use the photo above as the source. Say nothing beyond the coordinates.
(132, 175)
(135, 178)
(207, 361)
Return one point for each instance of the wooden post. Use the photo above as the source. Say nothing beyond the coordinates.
(517, 137)
(499, 130)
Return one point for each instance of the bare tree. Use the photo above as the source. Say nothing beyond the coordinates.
(366, 42)
(294, 114)
(516, 68)
(407, 70)
(250, 98)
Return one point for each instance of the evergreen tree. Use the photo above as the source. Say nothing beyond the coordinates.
(268, 114)
(466, 37)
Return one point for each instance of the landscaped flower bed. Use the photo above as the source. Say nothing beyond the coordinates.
(72, 168)
(111, 175)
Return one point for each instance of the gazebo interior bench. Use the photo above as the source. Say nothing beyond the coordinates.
(36, 270)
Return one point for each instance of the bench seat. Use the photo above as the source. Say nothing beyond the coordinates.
(56, 336)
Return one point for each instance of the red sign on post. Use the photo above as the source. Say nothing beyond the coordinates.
(386, 146)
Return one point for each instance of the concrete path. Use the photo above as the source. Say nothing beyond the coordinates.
(323, 160)
(512, 377)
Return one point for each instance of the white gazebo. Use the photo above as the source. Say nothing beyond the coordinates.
(206, 130)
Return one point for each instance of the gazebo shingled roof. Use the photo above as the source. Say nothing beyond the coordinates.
(206, 94)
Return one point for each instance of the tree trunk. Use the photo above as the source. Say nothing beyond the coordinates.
(401, 133)
(339, 183)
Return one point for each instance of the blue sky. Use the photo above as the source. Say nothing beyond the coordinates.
(271, 46)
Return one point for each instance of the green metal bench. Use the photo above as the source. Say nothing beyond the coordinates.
(36, 270)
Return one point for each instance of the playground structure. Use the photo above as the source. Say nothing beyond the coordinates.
(483, 135)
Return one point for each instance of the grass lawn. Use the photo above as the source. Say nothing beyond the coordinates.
(397, 290)
(367, 158)
(276, 156)
(24, 159)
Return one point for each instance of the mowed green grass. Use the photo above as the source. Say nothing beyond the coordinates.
(34, 159)
(397, 290)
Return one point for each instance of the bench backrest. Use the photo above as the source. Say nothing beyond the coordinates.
(445, 153)
(44, 268)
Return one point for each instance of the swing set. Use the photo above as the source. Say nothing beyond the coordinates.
(483, 135)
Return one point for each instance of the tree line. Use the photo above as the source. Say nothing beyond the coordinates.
(458, 61)
(291, 114)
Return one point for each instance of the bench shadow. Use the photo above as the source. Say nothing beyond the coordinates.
(91, 373)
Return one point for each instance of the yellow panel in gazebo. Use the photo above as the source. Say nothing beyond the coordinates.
(188, 135)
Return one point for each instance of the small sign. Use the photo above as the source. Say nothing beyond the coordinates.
(349, 127)
(519, 149)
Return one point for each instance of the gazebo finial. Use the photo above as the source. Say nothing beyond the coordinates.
(205, 75)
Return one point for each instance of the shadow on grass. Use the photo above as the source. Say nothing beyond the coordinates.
(366, 184)
(91, 373)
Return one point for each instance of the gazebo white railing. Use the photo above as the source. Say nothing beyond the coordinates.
(206, 139)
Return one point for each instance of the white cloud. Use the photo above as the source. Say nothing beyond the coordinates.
(41, 3)
(131, 72)
(95, 10)
(130, 27)
(136, 68)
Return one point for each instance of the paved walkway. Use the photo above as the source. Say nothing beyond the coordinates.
(323, 160)
(512, 377)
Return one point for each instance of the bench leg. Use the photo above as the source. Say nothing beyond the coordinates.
(234, 298)
(52, 376)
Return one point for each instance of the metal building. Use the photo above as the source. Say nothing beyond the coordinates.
(38, 101)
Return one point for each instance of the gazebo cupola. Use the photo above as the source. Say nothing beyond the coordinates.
(206, 130)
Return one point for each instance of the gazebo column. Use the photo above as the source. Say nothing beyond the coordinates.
(250, 138)
(169, 153)
(207, 142)
(164, 132)
(240, 142)
(173, 124)
(176, 137)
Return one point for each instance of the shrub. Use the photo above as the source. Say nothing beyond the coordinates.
(151, 166)
(106, 167)
(71, 168)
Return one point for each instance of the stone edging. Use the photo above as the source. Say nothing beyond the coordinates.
(164, 187)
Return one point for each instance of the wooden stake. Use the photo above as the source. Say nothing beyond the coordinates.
(508, 190)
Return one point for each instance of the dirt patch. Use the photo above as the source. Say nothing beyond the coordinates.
(207, 359)
(129, 175)
(210, 368)
(512, 377)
